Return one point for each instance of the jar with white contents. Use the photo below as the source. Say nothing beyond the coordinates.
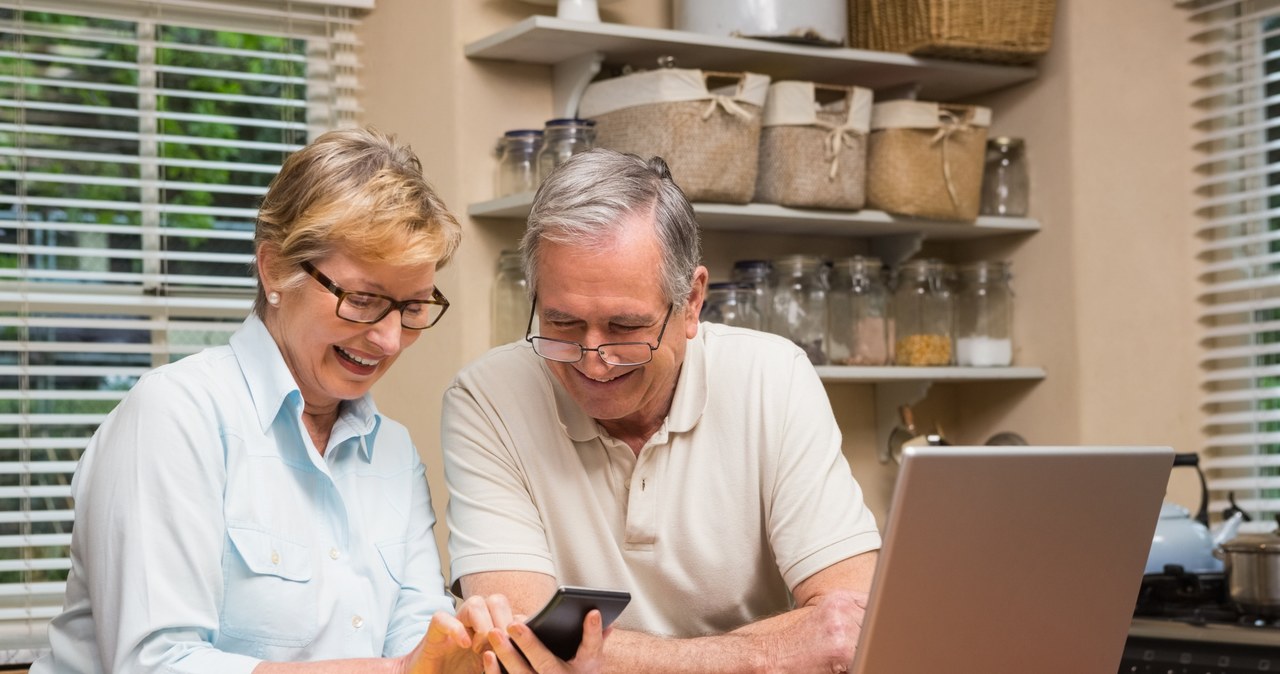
(984, 316)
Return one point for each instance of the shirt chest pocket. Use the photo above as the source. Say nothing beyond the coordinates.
(268, 596)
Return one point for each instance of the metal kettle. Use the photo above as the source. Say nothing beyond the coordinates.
(1186, 541)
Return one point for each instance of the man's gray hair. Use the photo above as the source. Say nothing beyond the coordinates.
(585, 203)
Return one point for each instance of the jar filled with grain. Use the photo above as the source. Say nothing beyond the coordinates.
(984, 316)
(922, 315)
(857, 310)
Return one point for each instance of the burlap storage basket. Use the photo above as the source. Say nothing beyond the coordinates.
(708, 135)
(814, 155)
(997, 31)
(926, 159)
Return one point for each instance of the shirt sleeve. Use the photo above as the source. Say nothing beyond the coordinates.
(494, 525)
(422, 585)
(149, 533)
(817, 516)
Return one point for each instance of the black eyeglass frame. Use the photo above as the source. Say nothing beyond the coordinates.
(437, 298)
(582, 350)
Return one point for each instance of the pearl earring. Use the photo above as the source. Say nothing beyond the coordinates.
(273, 298)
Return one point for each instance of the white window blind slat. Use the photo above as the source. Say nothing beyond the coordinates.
(136, 138)
(1240, 234)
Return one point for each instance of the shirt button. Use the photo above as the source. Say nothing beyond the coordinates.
(275, 557)
(357, 622)
(333, 553)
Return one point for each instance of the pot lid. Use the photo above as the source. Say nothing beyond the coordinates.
(1265, 543)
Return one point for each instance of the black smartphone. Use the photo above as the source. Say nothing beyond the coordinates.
(559, 624)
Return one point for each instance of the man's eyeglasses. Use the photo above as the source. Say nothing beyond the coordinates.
(371, 308)
(620, 354)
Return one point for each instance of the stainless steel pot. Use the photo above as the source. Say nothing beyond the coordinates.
(1253, 572)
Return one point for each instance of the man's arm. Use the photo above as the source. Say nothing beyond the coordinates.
(819, 635)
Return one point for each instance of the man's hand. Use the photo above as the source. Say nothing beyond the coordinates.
(536, 658)
(822, 637)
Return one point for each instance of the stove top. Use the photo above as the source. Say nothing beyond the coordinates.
(1196, 607)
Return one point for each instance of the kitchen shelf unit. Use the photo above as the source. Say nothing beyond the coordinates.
(576, 51)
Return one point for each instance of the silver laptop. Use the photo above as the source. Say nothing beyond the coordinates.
(1012, 559)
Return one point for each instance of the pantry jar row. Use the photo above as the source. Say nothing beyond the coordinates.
(853, 312)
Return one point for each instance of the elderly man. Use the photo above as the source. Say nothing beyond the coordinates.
(624, 445)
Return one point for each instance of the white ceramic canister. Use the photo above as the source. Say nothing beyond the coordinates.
(826, 20)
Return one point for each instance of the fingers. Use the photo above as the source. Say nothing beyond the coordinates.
(446, 628)
(490, 662)
(505, 651)
(592, 646)
(482, 614)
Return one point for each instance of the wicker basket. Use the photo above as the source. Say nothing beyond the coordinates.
(814, 155)
(999, 31)
(709, 135)
(926, 159)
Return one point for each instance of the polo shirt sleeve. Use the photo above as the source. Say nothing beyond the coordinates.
(494, 524)
(149, 532)
(817, 514)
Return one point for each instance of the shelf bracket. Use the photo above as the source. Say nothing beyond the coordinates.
(889, 396)
(893, 250)
(569, 78)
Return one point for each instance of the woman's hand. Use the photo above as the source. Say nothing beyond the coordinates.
(536, 658)
(453, 644)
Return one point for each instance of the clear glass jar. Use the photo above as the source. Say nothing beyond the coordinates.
(857, 311)
(561, 139)
(1005, 185)
(517, 162)
(984, 315)
(731, 304)
(510, 300)
(798, 297)
(922, 315)
(754, 274)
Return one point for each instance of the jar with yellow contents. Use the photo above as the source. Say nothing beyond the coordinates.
(922, 315)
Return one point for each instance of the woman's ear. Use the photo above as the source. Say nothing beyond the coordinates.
(264, 258)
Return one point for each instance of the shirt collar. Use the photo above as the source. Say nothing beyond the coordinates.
(271, 386)
(686, 408)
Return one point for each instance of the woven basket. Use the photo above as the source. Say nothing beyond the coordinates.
(928, 171)
(711, 143)
(998, 31)
(821, 164)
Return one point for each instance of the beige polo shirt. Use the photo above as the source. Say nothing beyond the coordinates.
(741, 494)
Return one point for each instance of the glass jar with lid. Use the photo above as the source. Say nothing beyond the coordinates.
(517, 162)
(754, 274)
(1005, 185)
(510, 300)
(731, 304)
(984, 315)
(798, 299)
(922, 315)
(857, 310)
(561, 139)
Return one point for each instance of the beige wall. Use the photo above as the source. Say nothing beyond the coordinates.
(1104, 291)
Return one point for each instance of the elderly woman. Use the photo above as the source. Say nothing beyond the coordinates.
(248, 508)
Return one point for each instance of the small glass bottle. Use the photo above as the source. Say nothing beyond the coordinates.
(754, 274)
(517, 162)
(731, 304)
(510, 301)
(1005, 185)
(858, 325)
(922, 315)
(561, 139)
(798, 295)
(984, 316)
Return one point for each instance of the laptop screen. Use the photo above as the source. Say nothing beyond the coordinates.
(1012, 559)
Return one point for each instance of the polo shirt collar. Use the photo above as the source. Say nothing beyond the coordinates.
(686, 408)
(272, 387)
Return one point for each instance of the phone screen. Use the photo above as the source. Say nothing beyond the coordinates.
(559, 624)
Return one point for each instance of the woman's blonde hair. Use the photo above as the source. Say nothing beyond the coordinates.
(355, 191)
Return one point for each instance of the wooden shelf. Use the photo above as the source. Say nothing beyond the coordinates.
(551, 41)
(852, 374)
(772, 219)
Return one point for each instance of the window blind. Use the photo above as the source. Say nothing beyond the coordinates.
(136, 138)
(1238, 102)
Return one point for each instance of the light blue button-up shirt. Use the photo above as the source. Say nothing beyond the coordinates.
(210, 534)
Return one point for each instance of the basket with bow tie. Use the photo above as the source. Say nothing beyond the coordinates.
(705, 124)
